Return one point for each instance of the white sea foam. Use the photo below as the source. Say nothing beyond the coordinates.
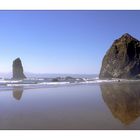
(97, 81)
(9, 81)
(36, 82)
(16, 85)
(53, 83)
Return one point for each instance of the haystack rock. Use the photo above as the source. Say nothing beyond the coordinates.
(18, 69)
(122, 60)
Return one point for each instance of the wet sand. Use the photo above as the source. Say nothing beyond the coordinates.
(80, 107)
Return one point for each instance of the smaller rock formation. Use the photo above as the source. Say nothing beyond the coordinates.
(18, 69)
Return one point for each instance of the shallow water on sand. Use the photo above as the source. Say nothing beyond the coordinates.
(94, 106)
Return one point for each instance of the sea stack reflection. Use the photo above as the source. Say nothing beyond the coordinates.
(123, 100)
(17, 92)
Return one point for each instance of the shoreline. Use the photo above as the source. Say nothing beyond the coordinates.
(12, 87)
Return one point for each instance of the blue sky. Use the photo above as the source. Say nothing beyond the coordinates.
(62, 41)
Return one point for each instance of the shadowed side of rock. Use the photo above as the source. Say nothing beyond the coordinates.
(18, 69)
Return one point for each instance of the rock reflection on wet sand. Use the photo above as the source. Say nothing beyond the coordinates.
(17, 92)
(82, 107)
(123, 100)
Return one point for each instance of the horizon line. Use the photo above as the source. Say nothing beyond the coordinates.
(48, 73)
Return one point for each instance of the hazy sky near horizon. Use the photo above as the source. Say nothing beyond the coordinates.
(62, 41)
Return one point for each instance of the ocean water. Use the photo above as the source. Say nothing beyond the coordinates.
(90, 105)
(53, 81)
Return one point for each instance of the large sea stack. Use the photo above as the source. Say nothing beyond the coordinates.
(18, 69)
(122, 60)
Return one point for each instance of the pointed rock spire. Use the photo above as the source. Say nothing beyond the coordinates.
(127, 36)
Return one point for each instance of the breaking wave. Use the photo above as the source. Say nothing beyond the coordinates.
(53, 82)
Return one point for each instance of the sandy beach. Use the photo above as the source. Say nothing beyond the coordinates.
(83, 107)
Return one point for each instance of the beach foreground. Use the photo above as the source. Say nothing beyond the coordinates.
(82, 107)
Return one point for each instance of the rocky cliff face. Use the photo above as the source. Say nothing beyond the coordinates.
(18, 69)
(122, 60)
